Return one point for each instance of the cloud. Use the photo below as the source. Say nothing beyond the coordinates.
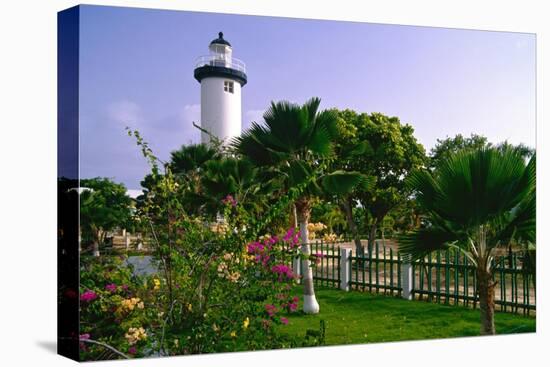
(125, 112)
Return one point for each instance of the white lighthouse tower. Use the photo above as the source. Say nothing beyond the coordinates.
(221, 76)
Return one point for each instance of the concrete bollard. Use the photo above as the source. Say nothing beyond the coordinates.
(345, 266)
(407, 280)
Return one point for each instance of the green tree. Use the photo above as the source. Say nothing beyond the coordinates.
(445, 148)
(104, 206)
(381, 147)
(476, 201)
(295, 143)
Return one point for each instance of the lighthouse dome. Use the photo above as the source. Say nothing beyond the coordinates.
(220, 40)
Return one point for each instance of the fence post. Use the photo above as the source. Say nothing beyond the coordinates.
(407, 278)
(127, 240)
(345, 266)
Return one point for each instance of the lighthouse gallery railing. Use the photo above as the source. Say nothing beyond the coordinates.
(213, 60)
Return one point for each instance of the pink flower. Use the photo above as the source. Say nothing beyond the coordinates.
(293, 306)
(111, 287)
(282, 270)
(289, 234)
(284, 320)
(255, 248)
(270, 309)
(88, 296)
(230, 200)
(83, 337)
(132, 350)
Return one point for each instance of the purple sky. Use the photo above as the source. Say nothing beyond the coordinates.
(136, 69)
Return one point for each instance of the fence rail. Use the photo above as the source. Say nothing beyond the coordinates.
(445, 277)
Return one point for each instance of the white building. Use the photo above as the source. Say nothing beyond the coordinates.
(221, 76)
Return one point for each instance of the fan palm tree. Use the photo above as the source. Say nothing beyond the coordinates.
(190, 158)
(476, 201)
(295, 143)
(230, 176)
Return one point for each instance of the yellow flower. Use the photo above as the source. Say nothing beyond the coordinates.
(246, 322)
(130, 304)
(190, 307)
(156, 284)
(134, 335)
(233, 334)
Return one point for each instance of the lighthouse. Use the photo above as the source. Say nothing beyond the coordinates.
(221, 77)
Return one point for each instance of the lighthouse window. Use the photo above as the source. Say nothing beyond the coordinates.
(228, 86)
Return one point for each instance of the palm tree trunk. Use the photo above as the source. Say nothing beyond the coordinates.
(303, 208)
(486, 290)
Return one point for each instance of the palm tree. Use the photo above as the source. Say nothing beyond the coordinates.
(238, 178)
(476, 201)
(295, 143)
(191, 157)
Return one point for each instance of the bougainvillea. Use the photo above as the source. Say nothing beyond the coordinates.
(218, 285)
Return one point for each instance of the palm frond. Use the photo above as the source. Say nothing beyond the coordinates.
(343, 182)
(423, 241)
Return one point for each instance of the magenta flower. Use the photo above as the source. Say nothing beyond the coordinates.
(255, 248)
(81, 344)
(132, 350)
(230, 200)
(284, 320)
(289, 234)
(88, 296)
(293, 306)
(111, 287)
(282, 270)
(270, 309)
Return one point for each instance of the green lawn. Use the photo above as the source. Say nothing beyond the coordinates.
(356, 317)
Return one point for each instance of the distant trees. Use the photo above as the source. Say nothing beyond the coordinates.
(384, 149)
(445, 148)
(104, 206)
